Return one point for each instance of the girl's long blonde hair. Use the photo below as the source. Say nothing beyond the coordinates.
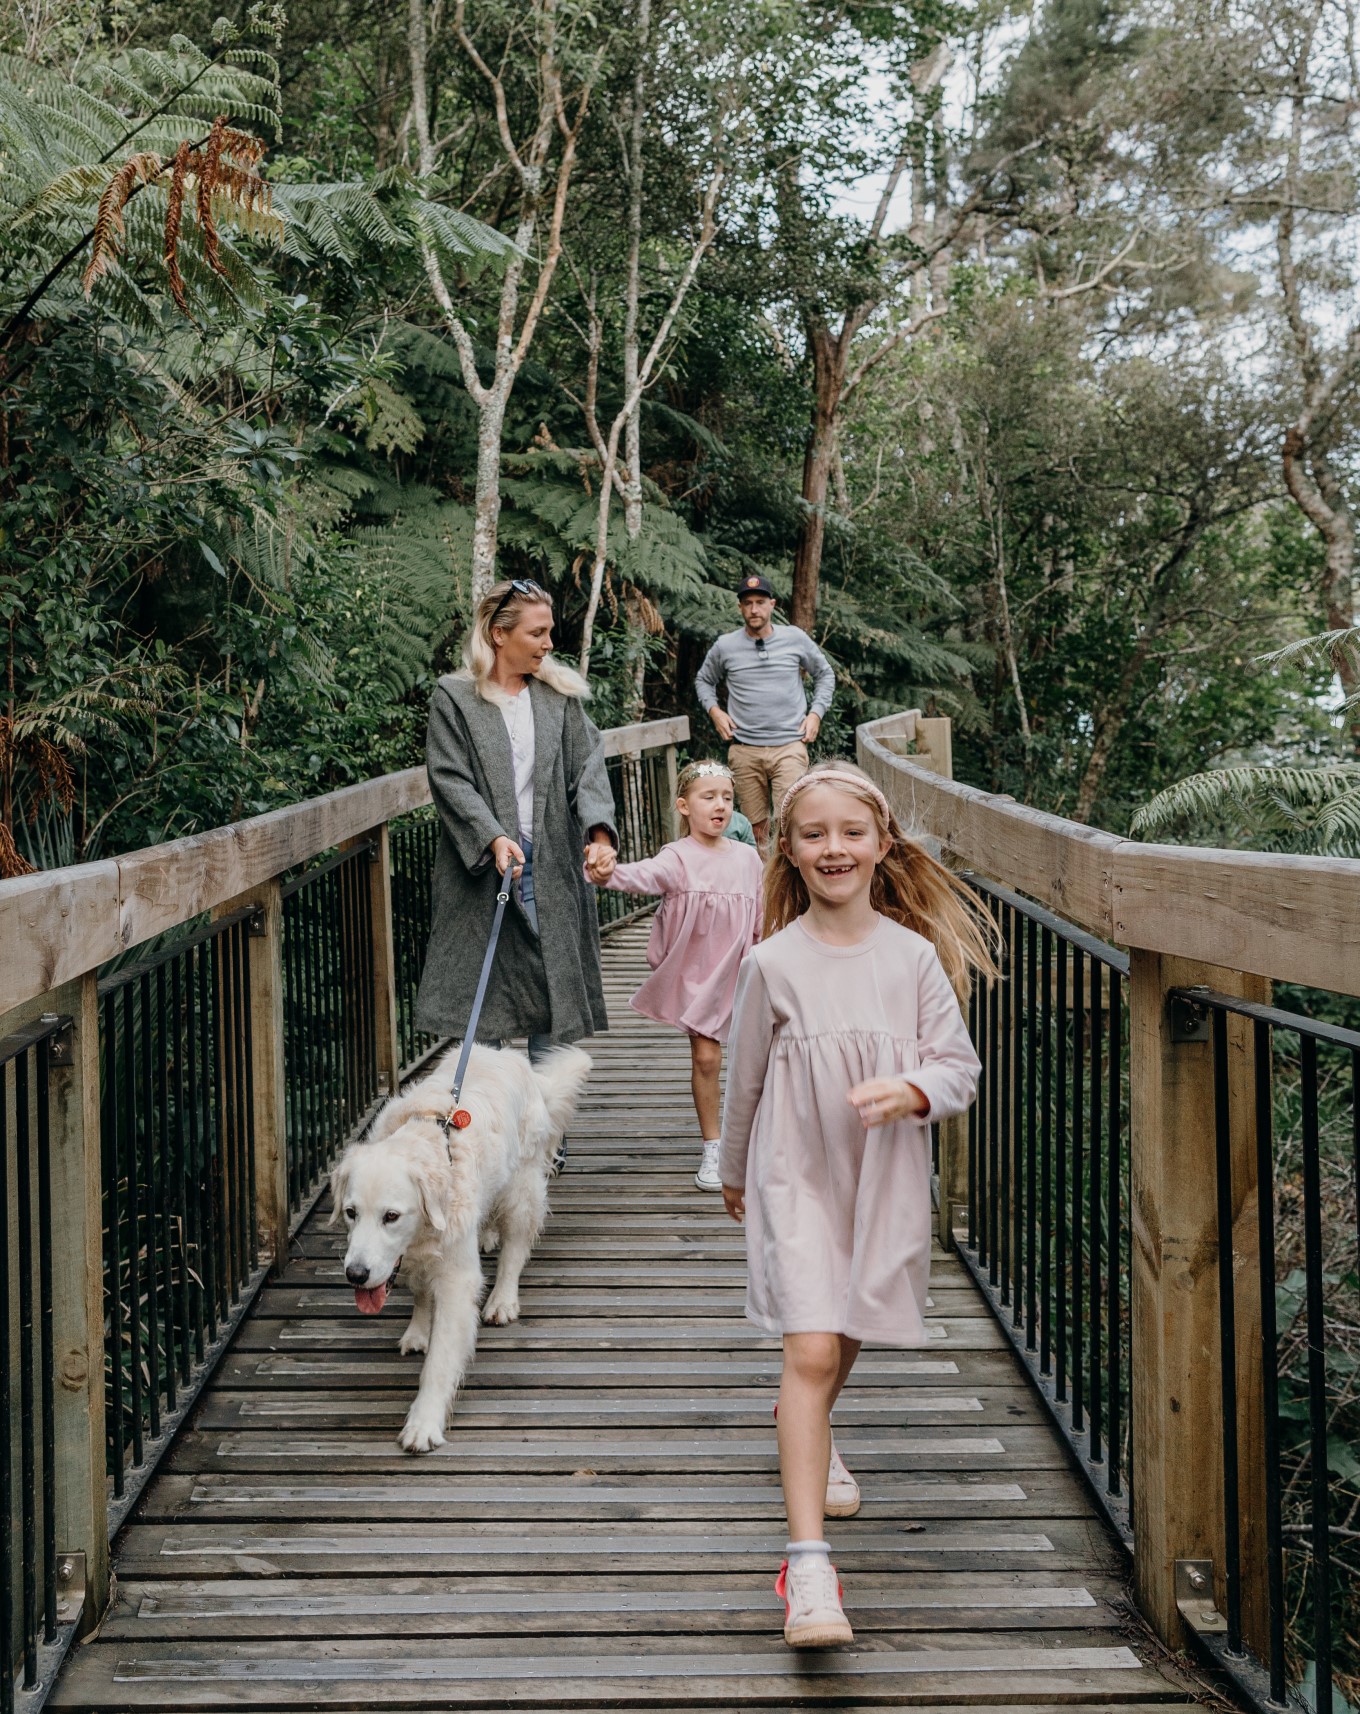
(909, 886)
(505, 604)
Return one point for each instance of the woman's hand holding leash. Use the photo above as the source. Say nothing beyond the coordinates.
(505, 852)
(882, 1100)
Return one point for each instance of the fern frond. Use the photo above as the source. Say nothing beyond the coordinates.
(1289, 807)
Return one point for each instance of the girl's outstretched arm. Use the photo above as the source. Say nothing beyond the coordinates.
(660, 874)
(948, 1071)
(748, 1059)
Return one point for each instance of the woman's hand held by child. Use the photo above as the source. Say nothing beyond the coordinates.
(601, 861)
(883, 1100)
(734, 1201)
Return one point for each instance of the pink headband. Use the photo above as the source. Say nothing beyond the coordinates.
(815, 777)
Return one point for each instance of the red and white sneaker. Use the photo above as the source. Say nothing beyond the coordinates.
(813, 1616)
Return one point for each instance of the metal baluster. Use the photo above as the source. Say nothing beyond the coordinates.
(23, 1173)
(46, 1353)
(1227, 1333)
(1078, 1140)
(218, 1096)
(1095, 1138)
(992, 1257)
(1270, 1359)
(113, 1267)
(148, 1199)
(1031, 1151)
(1115, 1244)
(1046, 1155)
(1003, 1230)
(182, 1029)
(1060, 1187)
(292, 1013)
(204, 1106)
(974, 1013)
(167, 1273)
(134, 1199)
(7, 1567)
(251, 1250)
(1317, 1381)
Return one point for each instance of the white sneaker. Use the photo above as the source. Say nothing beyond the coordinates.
(813, 1616)
(708, 1176)
(842, 1490)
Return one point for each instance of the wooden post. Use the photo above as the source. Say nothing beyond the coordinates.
(78, 1292)
(1176, 1386)
(388, 1042)
(953, 1175)
(935, 744)
(672, 788)
(266, 1035)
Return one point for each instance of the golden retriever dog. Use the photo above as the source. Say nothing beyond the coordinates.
(410, 1193)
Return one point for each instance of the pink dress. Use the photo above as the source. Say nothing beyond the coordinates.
(837, 1217)
(709, 918)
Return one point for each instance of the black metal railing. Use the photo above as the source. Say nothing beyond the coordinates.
(28, 1492)
(1300, 1317)
(414, 843)
(643, 809)
(1048, 1176)
(177, 1139)
(330, 1022)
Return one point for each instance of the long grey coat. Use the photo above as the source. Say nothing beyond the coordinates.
(548, 983)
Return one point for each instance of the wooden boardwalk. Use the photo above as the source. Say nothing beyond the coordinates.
(604, 1525)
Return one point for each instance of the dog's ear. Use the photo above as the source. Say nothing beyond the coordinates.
(339, 1189)
(431, 1202)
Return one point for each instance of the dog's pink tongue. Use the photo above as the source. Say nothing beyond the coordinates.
(370, 1299)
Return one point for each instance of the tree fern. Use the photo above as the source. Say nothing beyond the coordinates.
(1279, 808)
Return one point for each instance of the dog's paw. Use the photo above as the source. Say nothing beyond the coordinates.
(415, 1339)
(424, 1431)
(497, 1311)
(490, 1240)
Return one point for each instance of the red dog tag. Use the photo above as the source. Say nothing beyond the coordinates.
(461, 1119)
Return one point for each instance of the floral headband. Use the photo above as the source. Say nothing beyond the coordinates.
(816, 776)
(704, 771)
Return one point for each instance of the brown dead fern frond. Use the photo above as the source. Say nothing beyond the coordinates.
(55, 779)
(11, 863)
(174, 218)
(138, 169)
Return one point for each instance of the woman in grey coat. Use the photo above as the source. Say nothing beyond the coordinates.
(517, 774)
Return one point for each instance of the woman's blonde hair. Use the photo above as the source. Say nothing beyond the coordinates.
(909, 886)
(505, 603)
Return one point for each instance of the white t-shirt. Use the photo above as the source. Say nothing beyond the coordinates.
(518, 714)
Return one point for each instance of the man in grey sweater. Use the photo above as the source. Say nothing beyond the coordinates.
(767, 721)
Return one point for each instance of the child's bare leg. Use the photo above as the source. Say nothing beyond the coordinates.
(850, 1349)
(705, 1057)
(807, 1388)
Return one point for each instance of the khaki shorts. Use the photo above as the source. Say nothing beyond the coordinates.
(761, 772)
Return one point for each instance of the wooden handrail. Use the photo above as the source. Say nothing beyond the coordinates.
(1290, 918)
(61, 923)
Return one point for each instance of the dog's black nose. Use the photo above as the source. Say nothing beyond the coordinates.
(355, 1274)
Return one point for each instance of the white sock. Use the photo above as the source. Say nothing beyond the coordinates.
(712, 1142)
(798, 1553)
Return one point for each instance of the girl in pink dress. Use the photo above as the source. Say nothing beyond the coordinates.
(709, 919)
(847, 1039)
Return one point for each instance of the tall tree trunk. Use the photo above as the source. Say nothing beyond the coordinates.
(828, 370)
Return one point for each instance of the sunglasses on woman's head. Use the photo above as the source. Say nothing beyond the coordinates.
(524, 586)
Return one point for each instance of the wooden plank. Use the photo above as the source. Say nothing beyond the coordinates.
(54, 926)
(646, 735)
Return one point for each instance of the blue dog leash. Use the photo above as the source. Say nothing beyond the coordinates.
(458, 1117)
